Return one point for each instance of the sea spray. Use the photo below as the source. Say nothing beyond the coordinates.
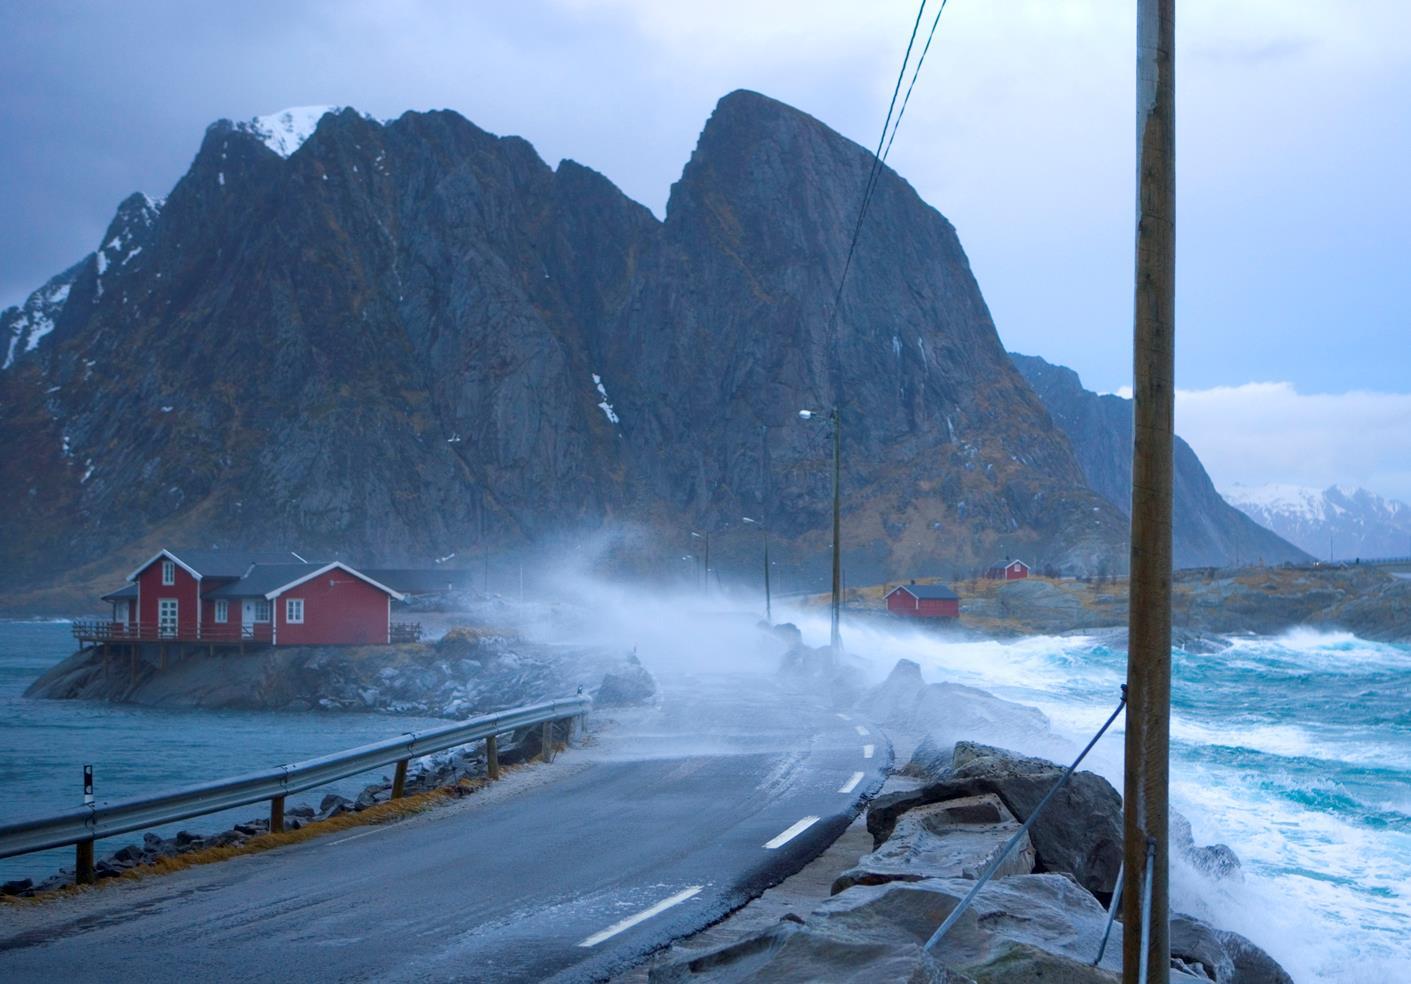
(1295, 750)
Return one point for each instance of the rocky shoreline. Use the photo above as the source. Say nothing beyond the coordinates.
(1043, 916)
(1207, 604)
(464, 673)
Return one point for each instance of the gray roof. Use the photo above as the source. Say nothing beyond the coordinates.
(128, 590)
(417, 581)
(929, 592)
(231, 563)
(262, 579)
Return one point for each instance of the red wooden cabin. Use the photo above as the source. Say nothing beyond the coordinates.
(923, 601)
(225, 596)
(1010, 570)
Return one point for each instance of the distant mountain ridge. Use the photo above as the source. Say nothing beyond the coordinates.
(402, 340)
(1207, 531)
(1336, 523)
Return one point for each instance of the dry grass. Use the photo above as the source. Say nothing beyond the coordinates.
(380, 813)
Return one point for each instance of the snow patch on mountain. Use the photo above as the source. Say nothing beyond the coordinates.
(28, 325)
(285, 132)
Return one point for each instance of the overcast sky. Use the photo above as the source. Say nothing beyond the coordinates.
(1294, 135)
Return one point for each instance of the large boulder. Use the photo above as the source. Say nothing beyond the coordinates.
(1080, 831)
(954, 839)
(1216, 860)
(948, 712)
(1222, 956)
(1049, 912)
(1019, 963)
(631, 684)
(791, 952)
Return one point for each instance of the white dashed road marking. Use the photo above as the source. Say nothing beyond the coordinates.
(791, 833)
(861, 730)
(867, 751)
(643, 916)
(851, 784)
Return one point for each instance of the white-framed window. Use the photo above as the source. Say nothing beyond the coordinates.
(294, 610)
(222, 610)
(166, 616)
(168, 572)
(262, 610)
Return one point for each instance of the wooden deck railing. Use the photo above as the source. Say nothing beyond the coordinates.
(406, 632)
(226, 634)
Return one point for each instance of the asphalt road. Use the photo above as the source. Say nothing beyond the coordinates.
(664, 822)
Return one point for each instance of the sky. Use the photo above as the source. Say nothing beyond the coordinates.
(1293, 136)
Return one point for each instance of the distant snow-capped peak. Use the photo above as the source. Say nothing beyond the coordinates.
(1342, 521)
(284, 132)
(1291, 500)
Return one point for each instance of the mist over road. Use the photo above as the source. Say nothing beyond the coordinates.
(667, 819)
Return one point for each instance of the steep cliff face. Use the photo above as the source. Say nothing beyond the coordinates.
(1207, 531)
(405, 338)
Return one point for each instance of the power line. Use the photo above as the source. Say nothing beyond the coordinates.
(912, 84)
(884, 146)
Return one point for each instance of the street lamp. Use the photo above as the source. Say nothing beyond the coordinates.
(836, 636)
(705, 537)
(764, 533)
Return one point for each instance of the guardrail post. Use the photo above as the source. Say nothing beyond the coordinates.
(399, 779)
(546, 742)
(276, 815)
(83, 863)
(492, 757)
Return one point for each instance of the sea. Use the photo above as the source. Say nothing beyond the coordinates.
(1295, 750)
(134, 751)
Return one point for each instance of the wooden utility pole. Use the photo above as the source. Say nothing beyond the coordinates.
(836, 638)
(1146, 781)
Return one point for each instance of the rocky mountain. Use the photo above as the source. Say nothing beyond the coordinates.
(1206, 530)
(407, 338)
(1339, 522)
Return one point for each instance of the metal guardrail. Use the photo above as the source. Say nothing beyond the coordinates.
(86, 824)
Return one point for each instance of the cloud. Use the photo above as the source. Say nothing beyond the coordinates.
(1269, 432)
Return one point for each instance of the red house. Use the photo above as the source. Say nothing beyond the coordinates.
(1010, 570)
(923, 601)
(223, 596)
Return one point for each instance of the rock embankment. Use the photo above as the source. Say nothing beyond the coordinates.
(466, 672)
(1042, 917)
(1262, 600)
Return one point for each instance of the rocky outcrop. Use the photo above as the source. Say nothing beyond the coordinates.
(448, 336)
(467, 672)
(946, 712)
(1206, 604)
(1206, 530)
(1079, 833)
(958, 838)
(631, 684)
(1025, 926)
(797, 953)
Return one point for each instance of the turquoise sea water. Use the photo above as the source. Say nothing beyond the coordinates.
(1295, 750)
(44, 745)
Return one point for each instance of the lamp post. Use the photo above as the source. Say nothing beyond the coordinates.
(705, 579)
(764, 533)
(835, 637)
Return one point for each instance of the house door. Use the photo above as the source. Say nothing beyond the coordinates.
(247, 618)
(166, 617)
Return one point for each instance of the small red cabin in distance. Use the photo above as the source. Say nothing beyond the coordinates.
(1010, 570)
(923, 601)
